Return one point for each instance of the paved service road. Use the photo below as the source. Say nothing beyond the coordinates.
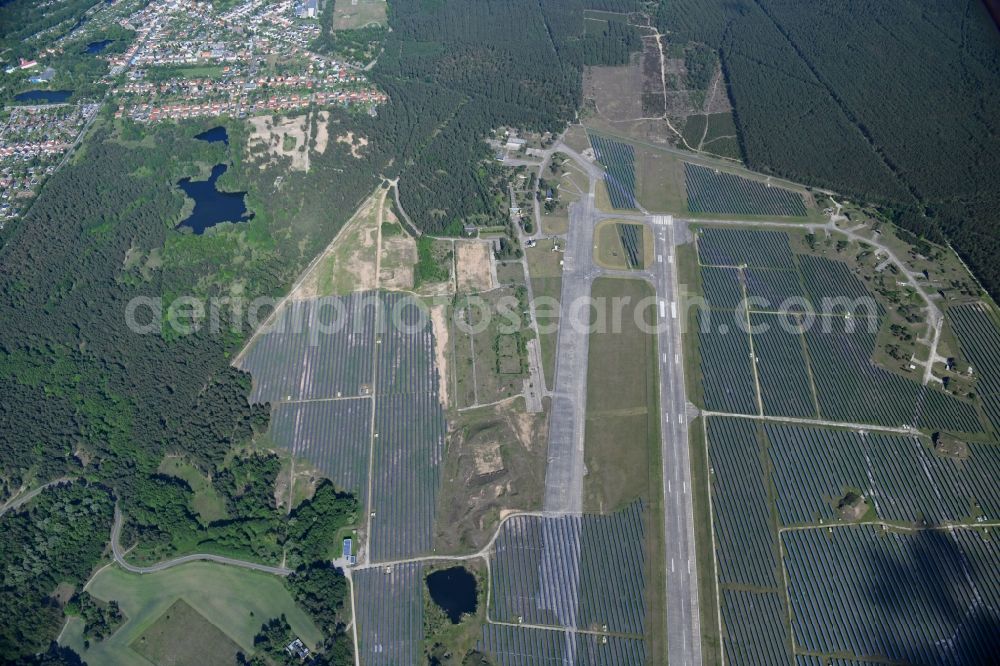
(683, 619)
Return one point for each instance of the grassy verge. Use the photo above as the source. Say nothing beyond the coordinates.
(704, 549)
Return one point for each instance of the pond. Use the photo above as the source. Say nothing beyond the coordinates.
(454, 591)
(44, 96)
(214, 135)
(97, 47)
(212, 207)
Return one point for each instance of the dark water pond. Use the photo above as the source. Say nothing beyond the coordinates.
(97, 47)
(454, 590)
(44, 96)
(214, 135)
(212, 207)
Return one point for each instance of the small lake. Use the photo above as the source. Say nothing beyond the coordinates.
(214, 135)
(212, 207)
(97, 47)
(454, 591)
(44, 96)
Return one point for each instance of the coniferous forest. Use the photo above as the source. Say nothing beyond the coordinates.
(891, 102)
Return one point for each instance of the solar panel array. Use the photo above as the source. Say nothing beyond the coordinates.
(713, 191)
(907, 482)
(334, 435)
(319, 354)
(619, 163)
(390, 615)
(316, 349)
(979, 339)
(835, 362)
(532, 583)
(927, 597)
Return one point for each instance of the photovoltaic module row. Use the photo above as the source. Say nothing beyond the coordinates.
(409, 448)
(334, 435)
(979, 338)
(714, 191)
(608, 552)
(316, 349)
(754, 629)
(906, 481)
(745, 546)
(529, 646)
(390, 615)
(619, 164)
(926, 597)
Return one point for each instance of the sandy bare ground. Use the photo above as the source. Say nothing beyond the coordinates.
(274, 135)
(399, 254)
(322, 131)
(439, 324)
(473, 266)
(356, 144)
(397, 257)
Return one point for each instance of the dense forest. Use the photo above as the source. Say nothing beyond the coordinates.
(894, 103)
(467, 68)
(55, 539)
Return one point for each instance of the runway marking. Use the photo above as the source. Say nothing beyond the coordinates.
(673, 309)
(677, 359)
(664, 357)
(663, 310)
(670, 258)
(671, 565)
(659, 258)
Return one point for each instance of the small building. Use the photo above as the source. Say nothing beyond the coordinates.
(47, 75)
(297, 649)
(306, 9)
(348, 546)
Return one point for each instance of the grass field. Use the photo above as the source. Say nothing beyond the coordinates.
(206, 502)
(610, 252)
(184, 637)
(622, 438)
(510, 272)
(546, 284)
(704, 546)
(236, 601)
(351, 14)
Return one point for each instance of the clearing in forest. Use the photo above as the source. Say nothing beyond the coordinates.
(353, 14)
